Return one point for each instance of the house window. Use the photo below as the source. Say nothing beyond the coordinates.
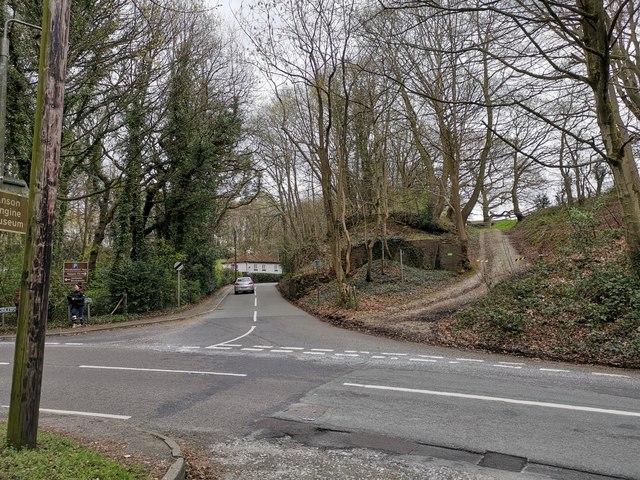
(255, 267)
(264, 267)
(275, 268)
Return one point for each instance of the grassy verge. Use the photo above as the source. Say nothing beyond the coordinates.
(60, 458)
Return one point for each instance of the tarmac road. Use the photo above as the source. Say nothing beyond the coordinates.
(258, 371)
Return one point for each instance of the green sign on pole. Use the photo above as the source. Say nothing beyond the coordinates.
(13, 212)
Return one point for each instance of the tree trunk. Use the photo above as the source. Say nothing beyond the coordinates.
(595, 24)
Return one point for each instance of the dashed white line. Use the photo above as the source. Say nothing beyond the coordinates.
(453, 362)
(4, 363)
(232, 345)
(161, 370)
(610, 375)
(377, 356)
(255, 301)
(263, 346)
(322, 350)
(364, 353)
(497, 399)
(216, 347)
(281, 351)
(508, 366)
(511, 363)
(82, 414)
(294, 348)
(190, 347)
(314, 353)
(350, 351)
(346, 355)
(554, 370)
(255, 316)
(252, 349)
(431, 356)
(469, 360)
(52, 343)
(395, 354)
(423, 360)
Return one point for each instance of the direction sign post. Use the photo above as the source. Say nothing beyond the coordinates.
(75, 273)
(13, 212)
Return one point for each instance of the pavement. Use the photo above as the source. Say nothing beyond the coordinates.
(277, 450)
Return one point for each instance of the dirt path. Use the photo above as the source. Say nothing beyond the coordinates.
(497, 260)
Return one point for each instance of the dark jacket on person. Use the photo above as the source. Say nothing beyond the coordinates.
(76, 298)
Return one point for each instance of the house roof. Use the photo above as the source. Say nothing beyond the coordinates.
(252, 259)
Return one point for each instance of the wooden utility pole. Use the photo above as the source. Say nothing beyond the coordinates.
(22, 427)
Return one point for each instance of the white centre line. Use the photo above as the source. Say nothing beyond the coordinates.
(469, 360)
(4, 363)
(255, 316)
(430, 356)
(322, 350)
(82, 414)
(160, 370)
(281, 351)
(263, 346)
(498, 399)
(554, 370)
(454, 362)
(511, 363)
(294, 348)
(610, 375)
(215, 347)
(52, 343)
(346, 355)
(252, 349)
(190, 348)
(73, 343)
(508, 366)
(314, 353)
(395, 354)
(423, 360)
(218, 345)
(377, 356)
(255, 302)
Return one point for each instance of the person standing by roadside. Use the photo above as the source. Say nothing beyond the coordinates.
(76, 301)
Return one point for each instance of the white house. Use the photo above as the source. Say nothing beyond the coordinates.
(253, 264)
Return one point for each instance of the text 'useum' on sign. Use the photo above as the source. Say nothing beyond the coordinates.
(13, 212)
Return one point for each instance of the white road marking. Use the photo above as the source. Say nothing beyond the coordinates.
(294, 348)
(511, 363)
(395, 354)
(365, 353)
(255, 301)
(350, 351)
(74, 344)
(160, 370)
(322, 350)
(554, 370)
(422, 360)
(281, 351)
(497, 399)
(215, 347)
(314, 353)
(252, 349)
(218, 345)
(454, 362)
(262, 346)
(190, 347)
(346, 355)
(82, 414)
(508, 366)
(255, 316)
(377, 356)
(4, 363)
(610, 375)
(233, 345)
(52, 343)
(431, 356)
(469, 360)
